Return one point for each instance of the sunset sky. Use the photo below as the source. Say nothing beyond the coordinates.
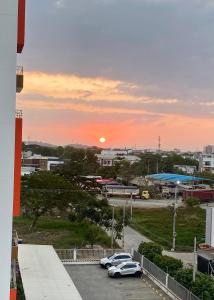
(126, 70)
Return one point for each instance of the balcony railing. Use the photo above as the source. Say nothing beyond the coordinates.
(19, 79)
(19, 114)
(13, 275)
(14, 253)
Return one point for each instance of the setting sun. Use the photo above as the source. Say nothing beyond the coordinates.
(102, 140)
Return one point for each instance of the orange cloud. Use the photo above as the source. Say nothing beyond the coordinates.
(62, 86)
(44, 105)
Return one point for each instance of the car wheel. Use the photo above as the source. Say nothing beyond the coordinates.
(117, 275)
(108, 265)
(138, 274)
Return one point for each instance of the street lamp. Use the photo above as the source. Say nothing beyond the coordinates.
(174, 217)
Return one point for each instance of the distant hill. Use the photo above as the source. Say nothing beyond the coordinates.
(42, 144)
(78, 146)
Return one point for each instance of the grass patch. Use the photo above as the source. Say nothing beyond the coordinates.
(156, 224)
(60, 233)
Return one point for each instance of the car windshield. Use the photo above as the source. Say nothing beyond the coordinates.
(120, 266)
(110, 256)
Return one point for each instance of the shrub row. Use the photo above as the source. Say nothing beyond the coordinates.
(203, 287)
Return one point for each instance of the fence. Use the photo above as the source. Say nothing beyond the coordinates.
(167, 282)
(77, 255)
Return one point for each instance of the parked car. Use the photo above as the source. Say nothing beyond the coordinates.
(126, 268)
(115, 259)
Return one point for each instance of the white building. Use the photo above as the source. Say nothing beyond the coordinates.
(186, 169)
(206, 163)
(108, 158)
(39, 162)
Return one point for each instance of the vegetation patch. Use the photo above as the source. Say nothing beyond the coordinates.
(61, 233)
(156, 224)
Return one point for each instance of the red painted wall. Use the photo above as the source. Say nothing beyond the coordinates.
(13, 294)
(17, 168)
(21, 26)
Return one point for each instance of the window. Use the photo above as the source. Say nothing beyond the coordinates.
(125, 256)
(132, 266)
(118, 257)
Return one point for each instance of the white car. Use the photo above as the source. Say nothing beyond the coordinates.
(126, 268)
(115, 259)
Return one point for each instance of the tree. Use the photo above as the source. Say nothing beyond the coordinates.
(150, 250)
(92, 235)
(78, 162)
(44, 191)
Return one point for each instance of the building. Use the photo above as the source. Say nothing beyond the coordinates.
(108, 158)
(190, 170)
(12, 32)
(209, 149)
(206, 163)
(38, 162)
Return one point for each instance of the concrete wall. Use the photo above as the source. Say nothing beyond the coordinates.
(210, 226)
(8, 46)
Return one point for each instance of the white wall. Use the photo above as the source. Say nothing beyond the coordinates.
(210, 226)
(8, 44)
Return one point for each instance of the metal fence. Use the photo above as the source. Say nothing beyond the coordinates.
(169, 283)
(75, 255)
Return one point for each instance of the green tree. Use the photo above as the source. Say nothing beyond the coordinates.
(92, 235)
(150, 250)
(42, 192)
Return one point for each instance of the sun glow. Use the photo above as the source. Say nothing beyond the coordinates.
(102, 140)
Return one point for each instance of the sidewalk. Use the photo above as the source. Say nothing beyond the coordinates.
(134, 238)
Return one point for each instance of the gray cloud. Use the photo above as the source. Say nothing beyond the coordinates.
(164, 46)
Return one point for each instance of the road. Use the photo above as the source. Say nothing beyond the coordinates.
(139, 203)
(134, 238)
(93, 283)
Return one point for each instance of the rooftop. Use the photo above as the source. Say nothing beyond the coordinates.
(43, 274)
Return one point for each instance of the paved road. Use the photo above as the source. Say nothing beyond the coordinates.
(93, 283)
(134, 238)
(138, 203)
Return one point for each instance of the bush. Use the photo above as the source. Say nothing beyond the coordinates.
(203, 287)
(168, 264)
(184, 277)
(150, 250)
(192, 201)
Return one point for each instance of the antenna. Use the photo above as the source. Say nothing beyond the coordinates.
(159, 144)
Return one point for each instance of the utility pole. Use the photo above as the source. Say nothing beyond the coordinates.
(131, 210)
(157, 166)
(112, 229)
(124, 215)
(174, 219)
(159, 144)
(195, 259)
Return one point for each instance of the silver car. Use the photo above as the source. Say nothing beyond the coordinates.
(126, 268)
(115, 259)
